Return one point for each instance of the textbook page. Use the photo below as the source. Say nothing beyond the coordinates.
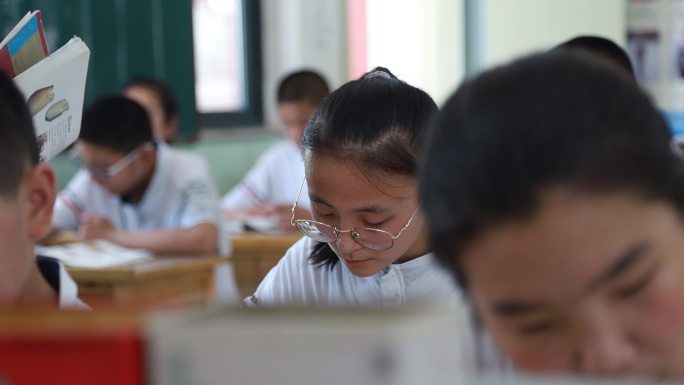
(54, 89)
(95, 254)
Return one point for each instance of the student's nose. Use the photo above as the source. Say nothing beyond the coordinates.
(605, 350)
(346, 243)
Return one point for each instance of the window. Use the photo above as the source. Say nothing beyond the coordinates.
(227, 62)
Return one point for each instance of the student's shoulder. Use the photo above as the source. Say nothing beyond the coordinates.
(279, 151)
(297, 256)
(296, 267)
(183, 166)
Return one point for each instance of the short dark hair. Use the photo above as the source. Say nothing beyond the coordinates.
(305, 85)
(117, 123)
(376, 121)
(17, 137)
(602, 48)
(556, 119)
(164, 93)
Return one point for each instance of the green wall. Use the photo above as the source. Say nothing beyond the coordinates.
(126, 38)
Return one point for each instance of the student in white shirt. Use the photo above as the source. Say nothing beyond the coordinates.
(138, 194)
(272, 184)
(132, 192)
(157, 98)
(27, 195)
(366, 243)
(554, 193)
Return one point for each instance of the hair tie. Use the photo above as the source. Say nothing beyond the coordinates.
(378, 74)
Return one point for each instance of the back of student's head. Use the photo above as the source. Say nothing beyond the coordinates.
(375, 121)
(164, 94)
(554, 120)
(117, 123)
(18, 146)
(601, 48)
(301, 86)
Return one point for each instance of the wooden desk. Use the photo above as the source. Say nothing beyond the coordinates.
(161, 281)
(255, 254)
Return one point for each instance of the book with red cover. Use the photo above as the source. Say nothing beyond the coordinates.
(41, 346)
(24, 45)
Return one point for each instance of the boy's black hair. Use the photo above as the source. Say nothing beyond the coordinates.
(556, 119)
(602, 48)
(303, 85)
(377, 122)
(166, 97)
(117, 123)
(17, 137)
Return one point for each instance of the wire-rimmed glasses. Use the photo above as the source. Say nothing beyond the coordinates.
(371, 238)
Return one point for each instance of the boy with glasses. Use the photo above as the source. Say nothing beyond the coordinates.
(137, 194)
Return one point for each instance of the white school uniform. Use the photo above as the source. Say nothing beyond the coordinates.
(59, 279)
(179, 195)
(295, 281)
(275, 178)
(421, 281)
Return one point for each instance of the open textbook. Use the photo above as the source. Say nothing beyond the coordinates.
(94, 254)
(53, 85)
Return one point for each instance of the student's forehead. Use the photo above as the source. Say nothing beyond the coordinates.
(96, 151)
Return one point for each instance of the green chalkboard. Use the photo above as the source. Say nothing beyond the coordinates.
(126, 38)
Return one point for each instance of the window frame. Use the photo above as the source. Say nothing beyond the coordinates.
(252, 114)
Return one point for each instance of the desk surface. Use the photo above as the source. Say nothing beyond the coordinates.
(255, 254)
(247, 244)
(157, 267)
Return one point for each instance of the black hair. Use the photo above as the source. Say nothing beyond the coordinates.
(304, 85)
(375, 122)
(164, 93)
(556, 119)
(601, 48)
(117, 123)
(17, 137)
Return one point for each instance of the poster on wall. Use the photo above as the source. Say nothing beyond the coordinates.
(655, 43)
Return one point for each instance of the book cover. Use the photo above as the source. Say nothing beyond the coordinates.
(24, 45)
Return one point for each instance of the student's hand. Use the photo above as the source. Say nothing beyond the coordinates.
(95, 227)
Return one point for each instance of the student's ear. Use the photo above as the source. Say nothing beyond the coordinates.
(40, 192)
(148, 154)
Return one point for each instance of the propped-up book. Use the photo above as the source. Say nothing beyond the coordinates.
(54, 89)
(53, 85)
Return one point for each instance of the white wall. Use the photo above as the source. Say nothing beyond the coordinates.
(517, 27)
(420, 41)
(300, 34)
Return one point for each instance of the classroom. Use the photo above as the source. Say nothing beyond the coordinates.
(341, 191)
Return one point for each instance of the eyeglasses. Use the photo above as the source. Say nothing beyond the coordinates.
(105, 173)
(374, 239)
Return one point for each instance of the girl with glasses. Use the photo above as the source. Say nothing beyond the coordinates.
(365, 242)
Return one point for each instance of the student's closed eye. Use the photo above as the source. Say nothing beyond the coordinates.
(537, 327)
(636, 286)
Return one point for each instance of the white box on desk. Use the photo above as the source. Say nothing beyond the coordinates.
(307, 346)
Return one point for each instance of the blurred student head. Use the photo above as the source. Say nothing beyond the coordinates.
(601, 48)
(299, 93)
(360, 151)
(160, 103)
(552, 193)
(116, 144)
(27, 196)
